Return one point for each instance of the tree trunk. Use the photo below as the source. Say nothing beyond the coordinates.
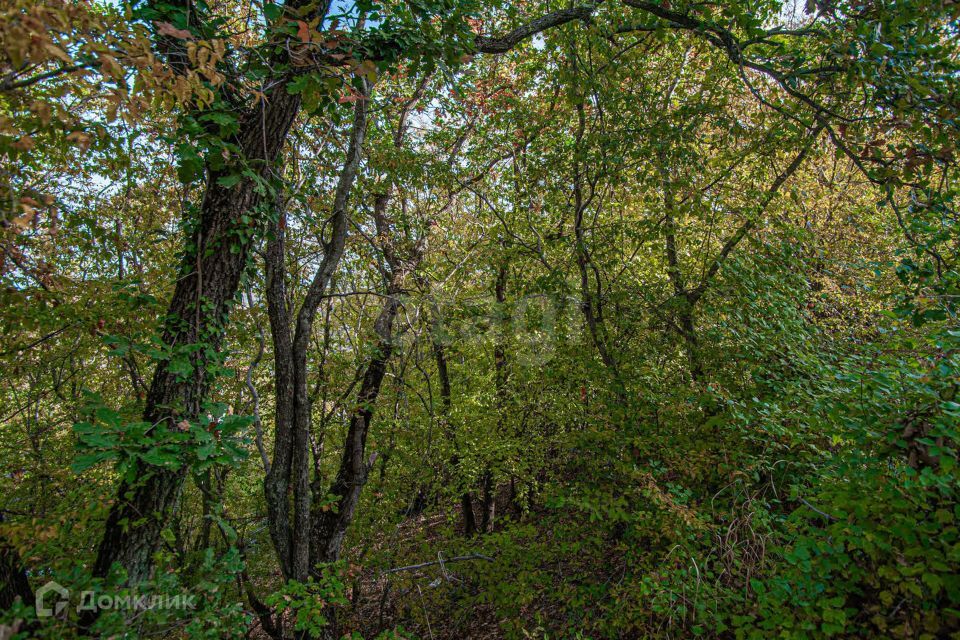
(330, 526)
(276, 484)
(500, 384)
(489, 502)
(592, 302)
(685, 324)
(290, 470)
(207, 285)
(466, 500)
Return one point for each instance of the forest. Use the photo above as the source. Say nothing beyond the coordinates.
(478, 319)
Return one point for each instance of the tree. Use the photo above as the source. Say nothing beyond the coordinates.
(638, 258)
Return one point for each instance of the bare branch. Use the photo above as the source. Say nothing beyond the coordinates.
(9, 84)
(472, 556)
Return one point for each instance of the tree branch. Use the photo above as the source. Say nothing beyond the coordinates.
(507, 41)
(745, 228)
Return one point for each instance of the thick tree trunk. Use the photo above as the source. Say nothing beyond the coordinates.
(206, 288)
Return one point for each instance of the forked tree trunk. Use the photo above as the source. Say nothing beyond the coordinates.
(592, 299)
(207, 284)
(290, 470)
(329, 526)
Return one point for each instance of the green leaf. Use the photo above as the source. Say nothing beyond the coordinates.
(229, 181)
(84, 462)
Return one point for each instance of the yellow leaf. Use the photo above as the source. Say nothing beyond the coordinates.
(23, 222)
(42, 111)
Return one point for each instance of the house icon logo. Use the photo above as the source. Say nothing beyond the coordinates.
(51, 600)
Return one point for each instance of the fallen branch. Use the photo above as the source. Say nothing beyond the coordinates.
(472, 556)
(824, 514)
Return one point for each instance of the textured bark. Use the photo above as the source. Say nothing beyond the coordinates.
(505, 42)
(330, 526)
(290, 469)
(207, 285)
(277, 482)
(333, 251)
